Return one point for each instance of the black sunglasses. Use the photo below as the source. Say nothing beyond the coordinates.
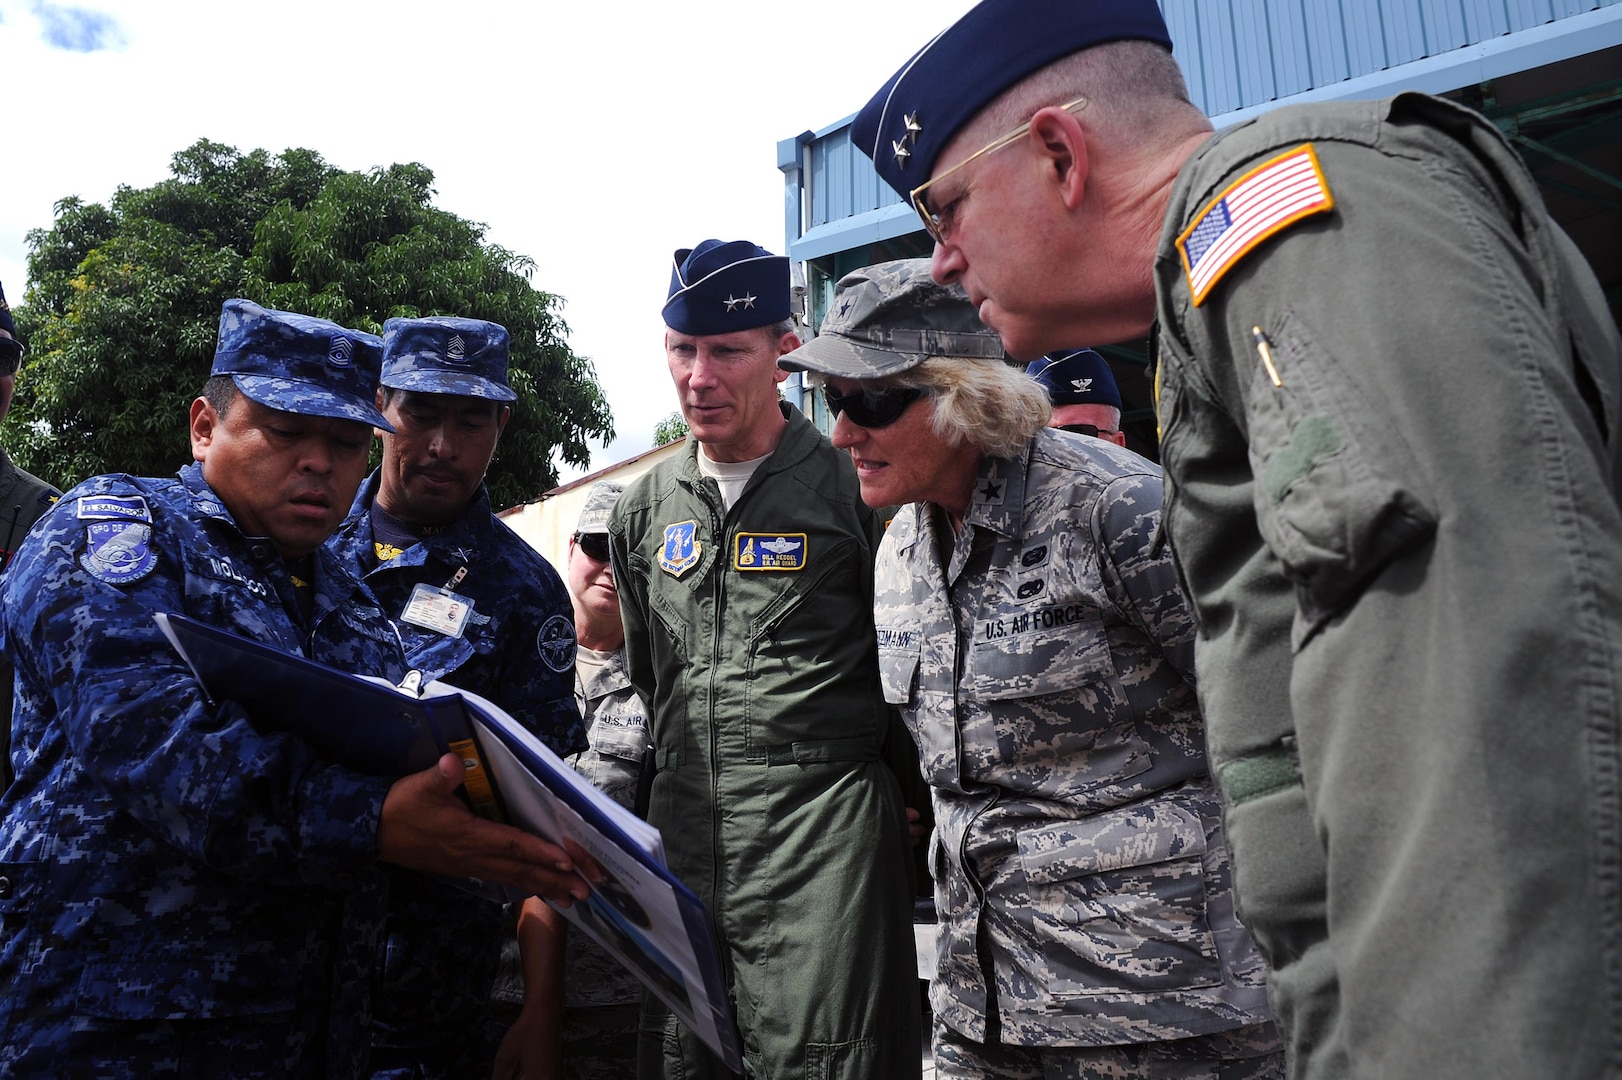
(1086, 429)
(11, 356)
(594, 544)
(872, 408)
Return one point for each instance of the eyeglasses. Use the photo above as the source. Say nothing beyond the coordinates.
(872, 409)
(1086, 429)
(934, 223)
(11, 356)
(594, 544)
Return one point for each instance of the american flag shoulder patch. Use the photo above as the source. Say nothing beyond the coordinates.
(1272, 196)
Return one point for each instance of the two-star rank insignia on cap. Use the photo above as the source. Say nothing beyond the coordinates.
(909, 138)
(1274, 195)
(747, 301)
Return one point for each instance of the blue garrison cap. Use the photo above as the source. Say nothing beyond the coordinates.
(445, 355)
(720, 286)
(970, 63)
(300, 364)
(1076, 377)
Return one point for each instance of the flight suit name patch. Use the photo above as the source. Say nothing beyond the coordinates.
(769, 551)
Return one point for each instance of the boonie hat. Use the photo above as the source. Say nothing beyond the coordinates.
(300, 364)
(722, 286)
(440, 354)
(969, 64)
(599, 506)
(1076, 377)
(890, 317)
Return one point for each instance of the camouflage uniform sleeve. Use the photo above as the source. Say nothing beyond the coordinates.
(1142, 583)
(199, 776)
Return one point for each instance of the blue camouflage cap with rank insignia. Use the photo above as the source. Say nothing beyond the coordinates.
(300, 364)
(1076, 377)
(440, 354)
(722, 286)
(969, 64)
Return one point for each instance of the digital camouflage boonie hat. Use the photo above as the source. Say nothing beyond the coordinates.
(599, 506)
(300, 364)
(891, 317)
(441, 354)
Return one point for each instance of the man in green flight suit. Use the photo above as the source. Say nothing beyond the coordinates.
(745, 573)
(1391, 399)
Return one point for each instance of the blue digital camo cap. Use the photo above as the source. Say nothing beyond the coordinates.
(441, 354)
(722, 286)
(969, 64)
(300, 364)
(1076, 377)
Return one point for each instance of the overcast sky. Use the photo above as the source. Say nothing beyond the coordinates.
(594, 137)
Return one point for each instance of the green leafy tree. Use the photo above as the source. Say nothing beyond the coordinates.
(123, 303)
(670, 429)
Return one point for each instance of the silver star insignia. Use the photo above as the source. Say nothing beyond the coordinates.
(747, 300)
(901, 153)
(913, 127)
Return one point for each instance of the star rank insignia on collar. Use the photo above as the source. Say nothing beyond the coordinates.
(747, 300)
(991, 493)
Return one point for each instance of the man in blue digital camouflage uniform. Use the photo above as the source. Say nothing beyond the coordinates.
(1410, 625)
(28, 498)
(745, 573)
(478, 607)
(182, 894)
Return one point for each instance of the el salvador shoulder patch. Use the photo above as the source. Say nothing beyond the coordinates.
(769, 551)
(1272, 196)
(118, 538)
(682, 548)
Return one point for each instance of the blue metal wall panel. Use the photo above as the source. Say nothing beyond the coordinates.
(1292, 66)
(1525, 13)
(1326, 44)
(1485, 20)
(1254, 46)
(1365, 37)
(1444, 26)
(1402, 30)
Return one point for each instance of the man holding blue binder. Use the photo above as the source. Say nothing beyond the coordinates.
(478, 607)
(181, 892)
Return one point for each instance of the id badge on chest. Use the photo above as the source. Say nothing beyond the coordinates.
(437, 609)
